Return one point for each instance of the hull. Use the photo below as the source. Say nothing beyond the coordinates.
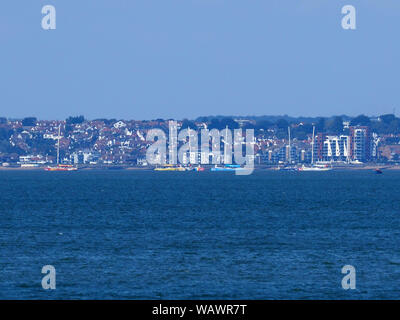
(222, 169)
(195, 169)
(228, 169)
(287, 169)
(60, 169)
(170, 169)
(314, 169)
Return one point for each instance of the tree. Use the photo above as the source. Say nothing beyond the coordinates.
(360, 120)
(29, 122)
(75, 120)
(223, 123)
(394, 126)
(202, 119)
(263, 124)
(302, 131)
(387, 118)
(335, 125)
(214, 124)
(282, 124)
(42, 146)
(249, 125)
(188, 124)
(320, 126)
(5, 134)
(228, 122)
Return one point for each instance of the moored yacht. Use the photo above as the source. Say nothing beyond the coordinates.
(314, 167)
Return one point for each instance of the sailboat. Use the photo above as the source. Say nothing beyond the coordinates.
(289, 166)
(313, 166)
(60, 167)
(199, 168)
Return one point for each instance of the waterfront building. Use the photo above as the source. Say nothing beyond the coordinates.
(336, 148)
(332, 148)
(360, 143)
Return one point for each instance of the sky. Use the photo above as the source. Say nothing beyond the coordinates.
(147, 59)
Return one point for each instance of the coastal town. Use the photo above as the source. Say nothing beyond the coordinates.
(339, 141)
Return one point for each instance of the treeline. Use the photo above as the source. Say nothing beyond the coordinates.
(301, 127)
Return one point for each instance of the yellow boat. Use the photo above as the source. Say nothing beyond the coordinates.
(169, 167)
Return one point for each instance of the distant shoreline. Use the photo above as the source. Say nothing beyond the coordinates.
(257, 168)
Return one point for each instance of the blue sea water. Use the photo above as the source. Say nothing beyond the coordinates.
(199, 235)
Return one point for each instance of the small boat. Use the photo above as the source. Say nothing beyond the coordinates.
(193, 168)
(198, 168)
(378, 171)
(315, 168)
(228, 167)
(287, 168)
(61, 167)
(170, 167)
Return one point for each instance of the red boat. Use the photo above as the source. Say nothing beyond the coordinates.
(61, 167)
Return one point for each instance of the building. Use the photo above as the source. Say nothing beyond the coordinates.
(335, 148)
(390, 152)
(360, 143)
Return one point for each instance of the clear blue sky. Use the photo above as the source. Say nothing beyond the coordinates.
(146, 59)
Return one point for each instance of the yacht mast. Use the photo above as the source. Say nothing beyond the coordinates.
(290, 151)
(190, 147)
(226, 146)
(58, 145)
(312, 145)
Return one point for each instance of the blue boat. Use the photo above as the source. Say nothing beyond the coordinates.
(228, 167)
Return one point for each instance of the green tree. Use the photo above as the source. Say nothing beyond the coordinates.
(361, 120)
(282, 124)
(29, 122)
(335, 125)
(387, 118)
(394, 126)
(188, 124)
(75, 120)
(320, 126)
(262, 125)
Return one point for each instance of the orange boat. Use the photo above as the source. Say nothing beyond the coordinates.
(61, 167)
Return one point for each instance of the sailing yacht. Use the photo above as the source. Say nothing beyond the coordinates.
(60, 167)
(314, 167)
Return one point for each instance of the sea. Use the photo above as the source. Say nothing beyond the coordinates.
(133, 234)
